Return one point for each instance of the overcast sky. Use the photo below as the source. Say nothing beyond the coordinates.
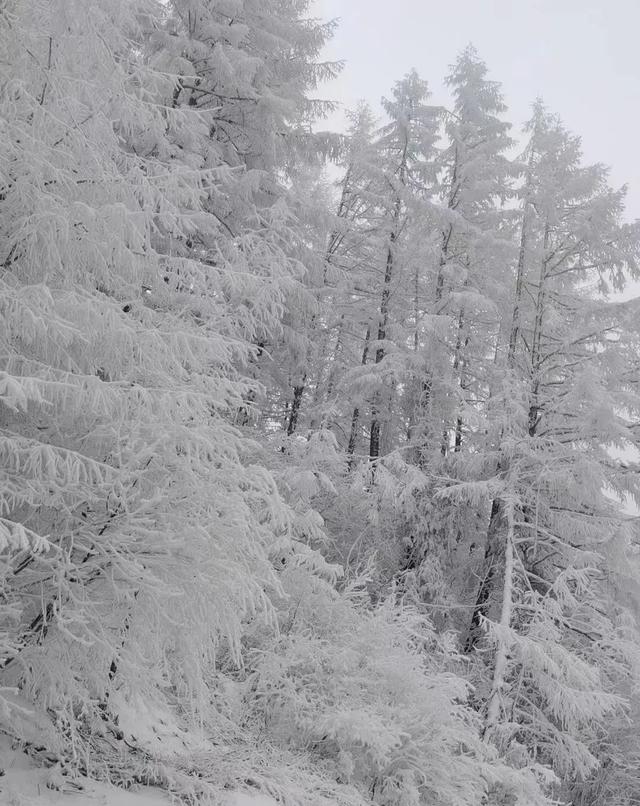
(581, 56)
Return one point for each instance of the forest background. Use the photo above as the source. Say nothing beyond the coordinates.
(317, 449)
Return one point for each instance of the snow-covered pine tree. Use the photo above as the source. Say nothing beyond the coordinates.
(475, 254)
(251, 73)
(143, 260)
(163, 237)
(345, 242)
(557, 409)
(465, 288)
(407, 145)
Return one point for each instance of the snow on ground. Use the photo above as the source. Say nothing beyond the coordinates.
(25, 784)
(250, 799)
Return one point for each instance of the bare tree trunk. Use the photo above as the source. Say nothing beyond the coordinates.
(492, 565)
(419, 385)
(374, 438)
(355, 417)
(460, 366)
(515, 319)
(458, 369)
(294, 410)
(447, 234)
(494, 707)
(536, 339)
(446, 238)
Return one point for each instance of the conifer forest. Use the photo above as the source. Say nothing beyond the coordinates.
(318, 462)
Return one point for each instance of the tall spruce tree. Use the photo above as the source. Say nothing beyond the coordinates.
(144, 258)
(559, 410)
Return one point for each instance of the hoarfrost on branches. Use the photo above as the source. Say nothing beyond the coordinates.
(311, 489)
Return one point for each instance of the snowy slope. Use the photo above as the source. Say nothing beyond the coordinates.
(25, 784)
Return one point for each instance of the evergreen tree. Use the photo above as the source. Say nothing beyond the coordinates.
(143, 260)
(476, 247)
(560, 408)
(407, 145)
(308, 489)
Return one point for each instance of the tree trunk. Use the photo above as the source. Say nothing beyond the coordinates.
(298, 391)
(494, 706)
(522, 251)
(458, 369)
(536, 339)
(422, 386)
(515, 319)
(355, 417)
(446, 238)
(492, 565)
(493, 551)
(374, 439)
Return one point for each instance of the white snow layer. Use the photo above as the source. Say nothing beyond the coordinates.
(22, 783)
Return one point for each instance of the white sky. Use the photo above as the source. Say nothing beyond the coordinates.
(581, 56)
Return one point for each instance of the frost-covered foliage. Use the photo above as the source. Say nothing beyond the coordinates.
(307, 489)
(137, 531)
(480, 386)
(371, 695)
